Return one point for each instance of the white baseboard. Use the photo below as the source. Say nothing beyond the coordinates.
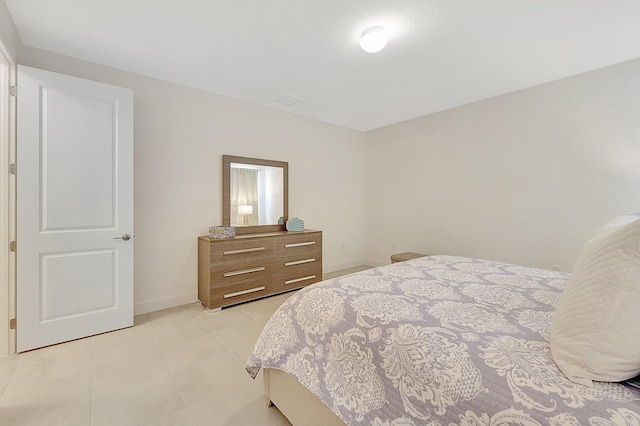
(327, 269)
(346, 265)
(165, 303)
(372, 262)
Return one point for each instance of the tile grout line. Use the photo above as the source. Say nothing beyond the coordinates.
(147, 323)
(13, 373)
(21, 359)
(171, 373)
(227, 348)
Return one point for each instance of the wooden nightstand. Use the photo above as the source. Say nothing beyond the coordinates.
(401, 257)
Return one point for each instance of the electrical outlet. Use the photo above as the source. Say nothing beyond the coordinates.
(393, 247)
(556, 268)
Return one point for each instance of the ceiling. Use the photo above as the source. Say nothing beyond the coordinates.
(441, 53)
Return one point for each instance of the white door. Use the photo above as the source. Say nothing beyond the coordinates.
(74, 205)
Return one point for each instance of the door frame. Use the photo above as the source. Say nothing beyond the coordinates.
(8, 202)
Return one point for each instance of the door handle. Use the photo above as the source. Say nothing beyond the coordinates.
(125, 237)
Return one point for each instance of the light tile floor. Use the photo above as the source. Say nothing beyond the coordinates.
(178, 366)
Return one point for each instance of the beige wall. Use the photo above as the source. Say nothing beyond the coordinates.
(180, 137)
(525, 178)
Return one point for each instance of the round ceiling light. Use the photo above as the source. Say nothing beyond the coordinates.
(373, 40)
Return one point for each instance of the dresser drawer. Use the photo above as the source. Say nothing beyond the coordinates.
(232, 252)
(292, 245)
(239, 272)
(287, 263)
(240, 292)
(297, 276)
(293, 260)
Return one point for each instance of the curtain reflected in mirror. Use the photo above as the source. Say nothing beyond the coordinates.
(244, 196)
(256, 194)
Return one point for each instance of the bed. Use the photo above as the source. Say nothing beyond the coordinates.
(439, 340)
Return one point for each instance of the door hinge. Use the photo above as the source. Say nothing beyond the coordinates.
(12, 168)
(12, 324)
(12, 246)
(13, 91)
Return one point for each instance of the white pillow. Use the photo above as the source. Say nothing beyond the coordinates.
(595, 333)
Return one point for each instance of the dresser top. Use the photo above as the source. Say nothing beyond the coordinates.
(259, 235)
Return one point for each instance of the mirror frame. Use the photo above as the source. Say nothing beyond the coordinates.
(226, 193)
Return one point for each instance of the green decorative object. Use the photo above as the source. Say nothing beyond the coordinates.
(295, 225)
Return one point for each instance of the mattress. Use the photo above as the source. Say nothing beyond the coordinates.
(439, 340)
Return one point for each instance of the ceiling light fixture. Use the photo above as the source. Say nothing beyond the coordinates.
(373, 40)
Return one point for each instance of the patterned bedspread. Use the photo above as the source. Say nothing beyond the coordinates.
(438, 340)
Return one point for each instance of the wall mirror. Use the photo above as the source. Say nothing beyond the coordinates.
(255, 194)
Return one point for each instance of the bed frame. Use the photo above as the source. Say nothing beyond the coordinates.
(295, 401)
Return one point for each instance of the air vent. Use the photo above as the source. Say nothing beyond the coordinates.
(288, 99)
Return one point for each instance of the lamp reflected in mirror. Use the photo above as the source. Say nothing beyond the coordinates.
(245, 211)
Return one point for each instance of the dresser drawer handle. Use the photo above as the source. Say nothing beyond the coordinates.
(240, 293)
(297, 280)
(299, 262)
(251, 250)
(244, 271)
(309, 243)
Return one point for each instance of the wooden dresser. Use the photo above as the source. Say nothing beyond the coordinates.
(252, 266)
